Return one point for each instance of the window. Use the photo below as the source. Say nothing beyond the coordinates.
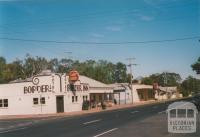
(74, 98)
(4, 103)
(42, 100)
(35, 101)
(86, 97)
(1, 103)
(181, 113)
(173, 113)
(190, 113)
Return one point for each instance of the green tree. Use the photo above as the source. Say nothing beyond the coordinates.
(196, 66)
(65, 65)
(33, 66)
(100, 70)
(53, 65)
(2, 68)
(147, 81)
(18, 70)
(163, 79)
(190, 86)
(120, 73)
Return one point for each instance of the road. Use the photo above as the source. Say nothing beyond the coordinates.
(141, 121)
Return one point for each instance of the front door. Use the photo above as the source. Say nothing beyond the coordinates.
(60, 104)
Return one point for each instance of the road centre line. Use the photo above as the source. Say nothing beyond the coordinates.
(93, 121)
(11, 130)
(106, 132)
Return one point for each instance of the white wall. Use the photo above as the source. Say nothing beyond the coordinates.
(20, 103)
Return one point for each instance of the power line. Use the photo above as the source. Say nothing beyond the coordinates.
(100, 43)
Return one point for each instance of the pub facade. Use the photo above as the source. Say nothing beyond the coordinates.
(46, 93)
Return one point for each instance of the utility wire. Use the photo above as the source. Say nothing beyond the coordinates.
(100, 43)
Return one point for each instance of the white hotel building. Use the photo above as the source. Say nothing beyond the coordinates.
(48, 93)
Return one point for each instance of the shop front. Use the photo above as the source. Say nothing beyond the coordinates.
(146, 94)
(97, 99)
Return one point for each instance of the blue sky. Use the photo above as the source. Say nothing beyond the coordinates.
(105, 21)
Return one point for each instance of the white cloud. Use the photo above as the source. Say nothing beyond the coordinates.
(113, 28)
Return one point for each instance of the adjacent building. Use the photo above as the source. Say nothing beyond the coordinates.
(123, 93)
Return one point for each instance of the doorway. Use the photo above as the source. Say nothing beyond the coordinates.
(60, 104)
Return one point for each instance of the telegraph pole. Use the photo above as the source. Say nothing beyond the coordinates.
(131, 82)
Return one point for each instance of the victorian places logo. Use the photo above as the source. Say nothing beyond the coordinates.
(182, 117)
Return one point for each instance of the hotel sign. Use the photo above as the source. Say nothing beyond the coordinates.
(37, 88)
(81, 87)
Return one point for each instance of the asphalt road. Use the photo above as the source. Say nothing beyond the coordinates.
(141, 121)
